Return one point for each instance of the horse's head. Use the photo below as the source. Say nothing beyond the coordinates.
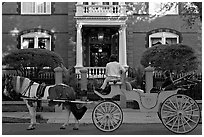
(9, 87)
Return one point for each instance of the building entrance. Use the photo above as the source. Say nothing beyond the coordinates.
(99, 54)
(98, 44)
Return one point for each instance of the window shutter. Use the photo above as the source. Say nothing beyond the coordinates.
(18, 9)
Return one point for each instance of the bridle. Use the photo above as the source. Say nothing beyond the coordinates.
(9, 87)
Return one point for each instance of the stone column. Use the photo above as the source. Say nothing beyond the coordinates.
(58, 80)
(84, 80)
(122, 46)
(84, 83)
(79, 50)
(58, 75)
(149, 78)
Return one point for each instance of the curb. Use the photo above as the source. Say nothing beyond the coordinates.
(129, 116)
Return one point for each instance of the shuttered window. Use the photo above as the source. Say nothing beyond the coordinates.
(35, 7)
(163, 38)
(36, 40)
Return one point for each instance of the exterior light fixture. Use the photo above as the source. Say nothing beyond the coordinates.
(14, 32)
(53, 30)
(100, 35)
(100, 50)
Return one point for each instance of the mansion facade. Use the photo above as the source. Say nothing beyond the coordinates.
(85, 34)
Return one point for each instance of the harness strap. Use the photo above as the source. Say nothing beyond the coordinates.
(28, 89)
(40, 90)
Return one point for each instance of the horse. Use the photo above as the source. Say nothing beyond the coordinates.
(16, 86)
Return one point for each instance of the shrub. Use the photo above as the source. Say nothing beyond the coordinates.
(21, 59)
(176, 58)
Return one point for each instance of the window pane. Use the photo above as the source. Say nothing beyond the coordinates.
(48, 7)
(105, 3)
(171, 40)
(36, 7)
(44, 43)
(28, 7)
(96, 3)
(85, 3)
(115, 3)
(43, 7)
(156, 41)
(27, 43)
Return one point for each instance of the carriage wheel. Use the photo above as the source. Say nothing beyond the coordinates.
(107, 116)
(180, 114)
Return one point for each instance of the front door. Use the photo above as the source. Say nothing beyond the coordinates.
(99, 54)
(98, 44)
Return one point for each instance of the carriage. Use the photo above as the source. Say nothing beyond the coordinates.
(179, 113)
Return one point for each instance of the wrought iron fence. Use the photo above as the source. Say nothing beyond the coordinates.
(47, 76)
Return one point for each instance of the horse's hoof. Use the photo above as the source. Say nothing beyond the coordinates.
(31, 128)
(62, 127)
(75, 128)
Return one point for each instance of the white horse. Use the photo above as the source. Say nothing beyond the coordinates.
(16, 85)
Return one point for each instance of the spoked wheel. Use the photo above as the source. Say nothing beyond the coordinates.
(180, 114)
(107, 116)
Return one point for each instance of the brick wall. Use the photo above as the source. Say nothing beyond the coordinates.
(63, 23)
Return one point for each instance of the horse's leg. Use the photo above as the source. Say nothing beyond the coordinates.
(67, 108)
(32, 115)
(76, 125)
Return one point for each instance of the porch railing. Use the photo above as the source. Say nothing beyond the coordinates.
(100, 10)
(96, 72)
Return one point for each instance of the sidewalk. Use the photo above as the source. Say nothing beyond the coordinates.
(129, 116)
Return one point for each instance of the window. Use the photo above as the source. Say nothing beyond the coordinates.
(35, 7)
(115, 3)
(36, 40)
(95, 3)
(100, 3)
(85, 3)
(105, 3)
(163, 38)
(161, 8)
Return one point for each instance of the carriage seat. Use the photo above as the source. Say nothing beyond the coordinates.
(115, 89)
(115, 82)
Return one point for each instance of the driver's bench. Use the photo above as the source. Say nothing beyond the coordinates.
(115, 89)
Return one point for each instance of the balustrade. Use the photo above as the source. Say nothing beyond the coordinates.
(94, 72)
(100, 10)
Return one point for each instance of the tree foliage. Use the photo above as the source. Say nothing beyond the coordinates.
(189, 11)
(192, 11)
(176, 58)
(38, 58)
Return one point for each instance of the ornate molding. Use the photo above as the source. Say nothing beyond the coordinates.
(78, 26)
(123, 26)
(101, 18)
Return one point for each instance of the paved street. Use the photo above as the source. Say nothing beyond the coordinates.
(90, 129)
